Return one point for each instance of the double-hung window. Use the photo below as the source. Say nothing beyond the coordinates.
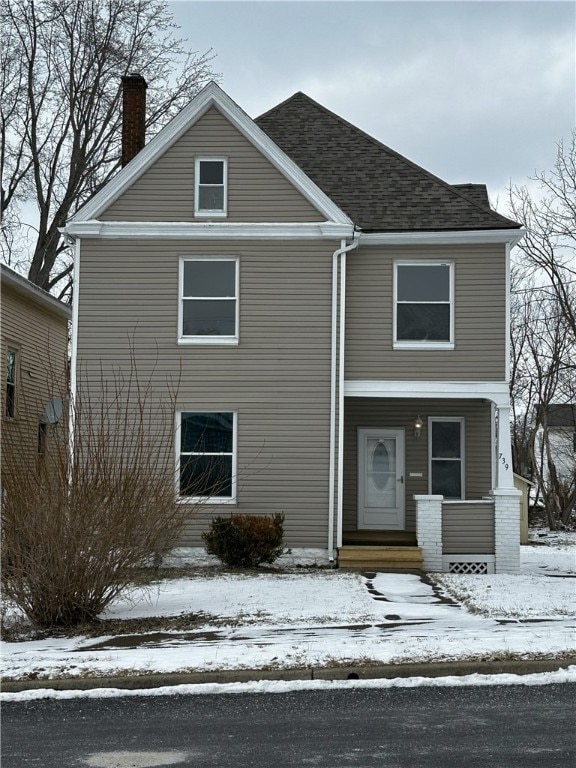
(424, 305)
(10, 394)
(207, 456)
(209, 301)
(446, 453)
(211, 186)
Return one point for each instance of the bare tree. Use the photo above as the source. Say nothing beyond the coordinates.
(549, 246)
(60, 67)
(543, 331)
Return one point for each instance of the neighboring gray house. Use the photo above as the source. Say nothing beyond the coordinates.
(338, 317)
(559, 422)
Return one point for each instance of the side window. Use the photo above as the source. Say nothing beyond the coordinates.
(207, 456)
(211, 186)
(42, 429)
(208, 301)
(10, 401)
(424, 305)
(446, 453)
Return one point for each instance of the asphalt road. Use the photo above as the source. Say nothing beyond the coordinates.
(499, 727)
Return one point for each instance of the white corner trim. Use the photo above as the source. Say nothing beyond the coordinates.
(469, 237)
(323, 230)
(211, 95)
(497, 391)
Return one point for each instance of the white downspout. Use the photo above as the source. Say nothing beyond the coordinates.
(333, 374)
(74, 353)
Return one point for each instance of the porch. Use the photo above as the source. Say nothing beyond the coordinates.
(425, 485)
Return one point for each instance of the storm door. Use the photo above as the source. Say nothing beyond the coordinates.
(381, 479)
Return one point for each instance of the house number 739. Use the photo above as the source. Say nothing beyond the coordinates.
(503, 460)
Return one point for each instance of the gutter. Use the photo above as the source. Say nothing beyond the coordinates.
(337, 349)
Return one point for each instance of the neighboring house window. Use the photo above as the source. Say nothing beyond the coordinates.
(207, 463)
(42, 428)
(211, 186)
(446, 451)
(424, 305)
(209, 301)
(10, 405)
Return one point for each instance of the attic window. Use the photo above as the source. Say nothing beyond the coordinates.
(211, 186)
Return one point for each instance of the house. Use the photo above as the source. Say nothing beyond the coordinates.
(35, 370)
(337, 318)
(556, 440)
(555, 458)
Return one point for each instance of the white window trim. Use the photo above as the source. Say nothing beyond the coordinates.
(234, 339)
(206, 213)
(209, 500)
(422, 344)
(431, 420)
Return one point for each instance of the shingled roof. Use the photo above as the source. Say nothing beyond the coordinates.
(379, 189)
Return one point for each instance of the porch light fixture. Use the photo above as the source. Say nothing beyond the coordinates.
(418, 426)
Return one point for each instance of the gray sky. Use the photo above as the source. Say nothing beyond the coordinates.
(472, 91)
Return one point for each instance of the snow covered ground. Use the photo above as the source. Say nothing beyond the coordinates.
(321, 618)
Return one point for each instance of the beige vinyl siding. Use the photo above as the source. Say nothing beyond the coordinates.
(468, 528)
(40, 338)
(401, 413)
(277, 379)
(257, 191)
(480, 316)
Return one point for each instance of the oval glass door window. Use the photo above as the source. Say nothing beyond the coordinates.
(380, 466)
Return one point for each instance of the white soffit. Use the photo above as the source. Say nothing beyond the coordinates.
(324, 230)
(210, 96)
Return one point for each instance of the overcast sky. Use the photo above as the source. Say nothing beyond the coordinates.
(472, 91)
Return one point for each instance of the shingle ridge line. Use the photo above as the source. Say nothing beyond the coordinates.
(282, 103)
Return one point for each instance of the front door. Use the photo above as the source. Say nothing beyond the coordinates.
(380, 479)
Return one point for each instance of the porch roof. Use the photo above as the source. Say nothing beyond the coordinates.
(496, 391)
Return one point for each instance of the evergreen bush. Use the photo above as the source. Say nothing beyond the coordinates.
(246, 541)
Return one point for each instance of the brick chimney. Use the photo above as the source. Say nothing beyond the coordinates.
(133, 115)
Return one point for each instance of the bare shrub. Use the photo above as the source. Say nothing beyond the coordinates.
(76, 525)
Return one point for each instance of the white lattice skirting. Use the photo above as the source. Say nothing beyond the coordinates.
(472, 564)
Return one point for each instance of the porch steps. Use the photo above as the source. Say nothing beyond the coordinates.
(379, 558)
(380, 538)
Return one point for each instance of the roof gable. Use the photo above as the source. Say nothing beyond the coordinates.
(256, 190)
(210, 96)
(378, 188)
